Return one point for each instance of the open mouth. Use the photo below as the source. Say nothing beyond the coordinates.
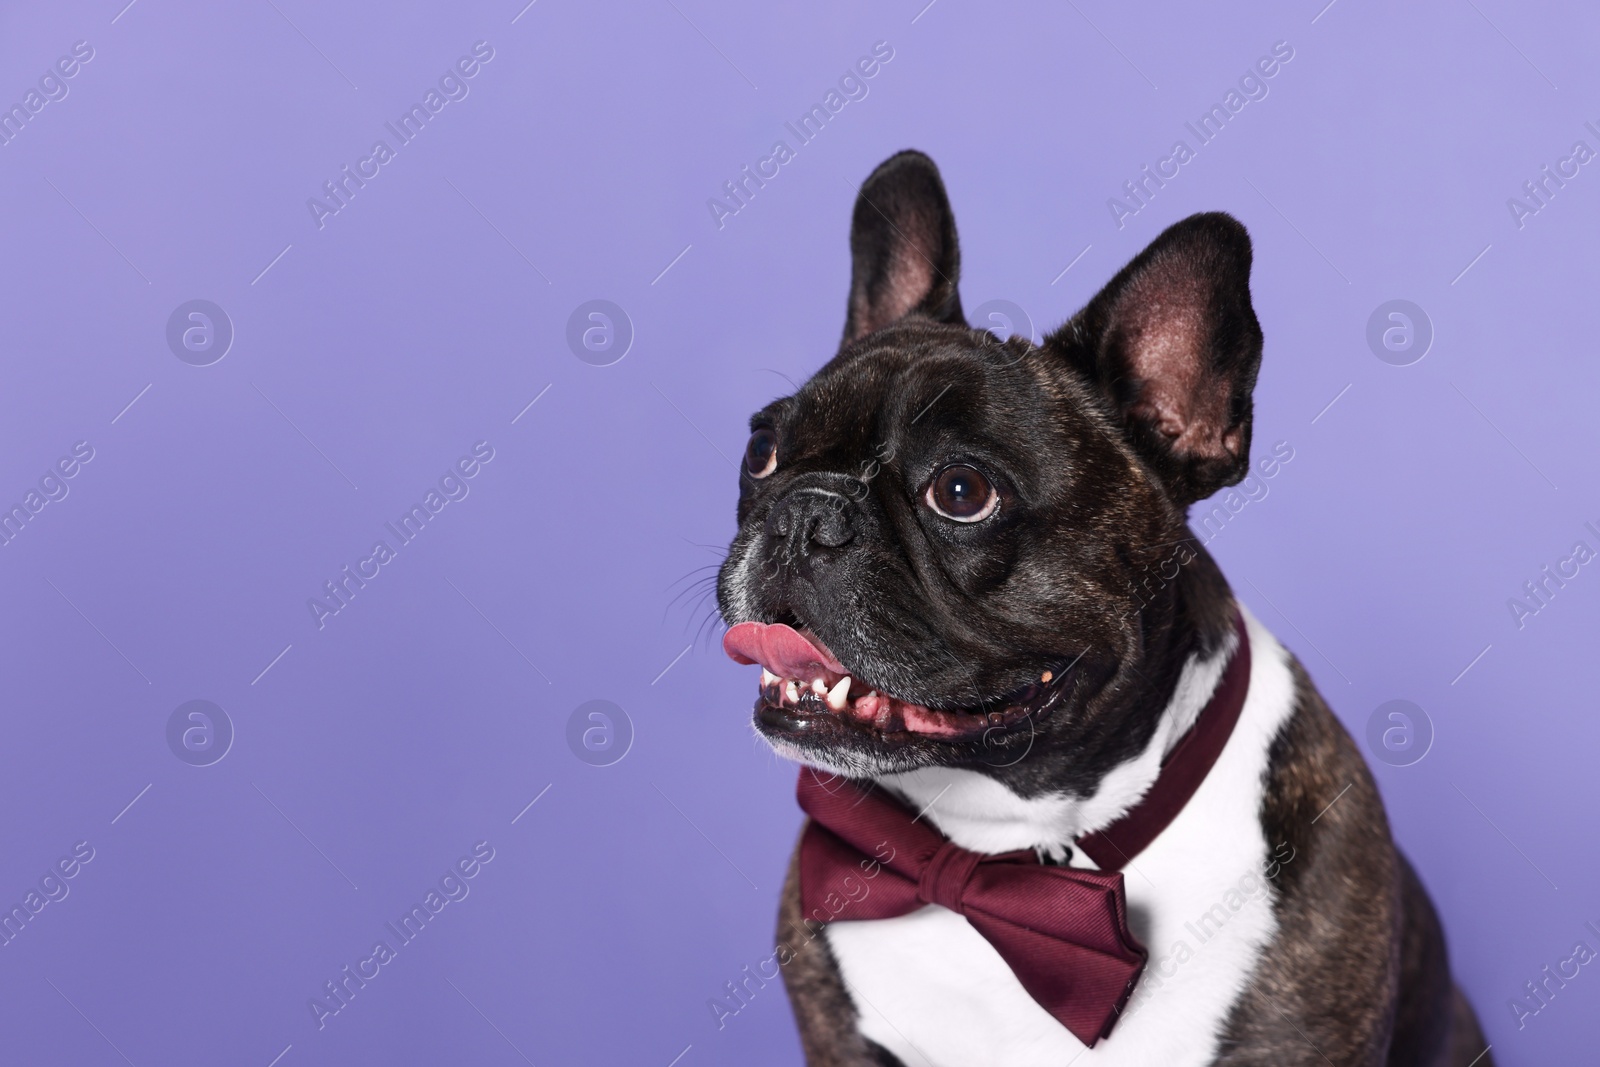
(804, 687)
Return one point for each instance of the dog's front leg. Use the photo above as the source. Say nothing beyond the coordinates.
(822, 1006)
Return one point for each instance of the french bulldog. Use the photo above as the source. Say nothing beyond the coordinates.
(966, 568)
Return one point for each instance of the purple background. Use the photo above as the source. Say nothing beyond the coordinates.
(426, 315)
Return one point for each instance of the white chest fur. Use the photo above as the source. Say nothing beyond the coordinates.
(932, 991)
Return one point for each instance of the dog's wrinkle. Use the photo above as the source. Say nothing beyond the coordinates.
(931, 583)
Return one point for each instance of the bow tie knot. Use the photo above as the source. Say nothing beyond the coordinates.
(944, 880)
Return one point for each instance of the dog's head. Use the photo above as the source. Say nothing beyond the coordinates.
(947, 542)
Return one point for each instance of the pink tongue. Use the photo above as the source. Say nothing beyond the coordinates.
(780, 649)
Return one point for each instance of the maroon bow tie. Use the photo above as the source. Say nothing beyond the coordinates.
(1063, 931)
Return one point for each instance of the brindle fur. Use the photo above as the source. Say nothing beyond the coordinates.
(1358, 972)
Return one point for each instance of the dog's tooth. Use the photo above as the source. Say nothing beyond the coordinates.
(839, 695)
(819, 687)
(768, 678)
(792, 692)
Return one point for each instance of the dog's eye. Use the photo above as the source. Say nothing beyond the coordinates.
(963, 494)
(761, 454)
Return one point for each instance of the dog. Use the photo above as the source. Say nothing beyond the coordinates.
(966, 569)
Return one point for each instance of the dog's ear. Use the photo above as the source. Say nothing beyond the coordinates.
(1174, 344)
(903, 251)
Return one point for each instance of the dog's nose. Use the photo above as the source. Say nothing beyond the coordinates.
(808, 518)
